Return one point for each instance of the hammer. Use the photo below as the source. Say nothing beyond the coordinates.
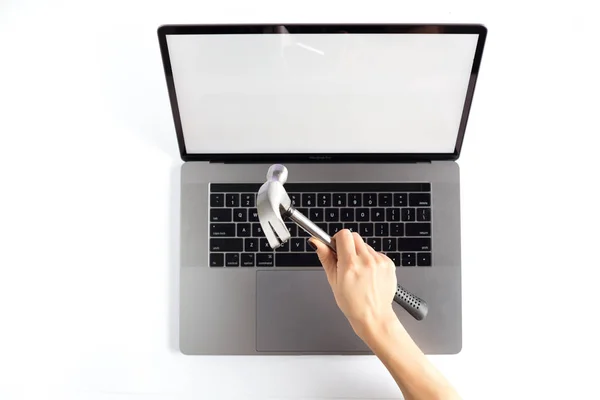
(273, 205)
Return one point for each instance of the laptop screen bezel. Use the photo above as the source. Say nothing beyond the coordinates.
(220, 29)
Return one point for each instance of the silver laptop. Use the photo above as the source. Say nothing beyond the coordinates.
(369, 120)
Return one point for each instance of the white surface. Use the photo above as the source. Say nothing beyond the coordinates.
(321, 93)
(88, 226)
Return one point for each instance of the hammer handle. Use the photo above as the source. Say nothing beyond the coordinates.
(414, 305)
(312, 228)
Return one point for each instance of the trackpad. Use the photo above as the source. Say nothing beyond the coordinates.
(296, 312)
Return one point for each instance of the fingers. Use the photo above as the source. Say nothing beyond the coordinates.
(345, 247)
(359, 244)
(388, 261)
(378, 257)
(375, 255)
(362, 250)
(327, 257)
(350, 245)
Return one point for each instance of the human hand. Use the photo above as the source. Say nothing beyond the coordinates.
(363, 281)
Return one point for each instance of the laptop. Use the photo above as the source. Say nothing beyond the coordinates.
(369, 120)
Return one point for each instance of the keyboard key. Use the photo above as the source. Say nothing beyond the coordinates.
(324, 199)
(297, 244)
(375, 243)
(389, 244)
(222, 244)
(247, 259)
(257, 230)
(303, 211)
(400, 199)
(295, 198)
(232, 200)
(297, 259)
(424, 259)
(418, 229)
(339, 200)
(408, 214)
(382, 229)
(351, 226)
(355, 199)
(408, 259)
(385, 199)
(253, 215)
(316, 214)
(217, 200)
(397, 229)
(370, 199)
(395, 257)
(248, 199)
(414, 244)
(251, 244)
(244, 230)
(222, 230)
(392, 214)
(293, 228)
(308, 200)
(264, 260)
(366, 229)
(232, 260)
(240, 214)
(423, 214)
(362, 214)
(302, 233)
(419, 199)
(377, 214)
(264, 246)
(335, 228)
(217, 259)
(347, 214)
(284, 247)
(332, 214)
(220, 215)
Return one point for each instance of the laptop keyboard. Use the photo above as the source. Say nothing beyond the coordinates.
(394, 218)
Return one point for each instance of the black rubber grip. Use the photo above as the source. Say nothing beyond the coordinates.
(411, 303)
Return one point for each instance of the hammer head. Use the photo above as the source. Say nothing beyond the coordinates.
(272, 202)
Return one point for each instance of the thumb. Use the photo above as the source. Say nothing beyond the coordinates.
(327, 257)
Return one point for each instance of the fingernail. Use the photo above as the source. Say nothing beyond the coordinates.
(311, 244)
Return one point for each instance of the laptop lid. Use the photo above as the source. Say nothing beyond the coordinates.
(337, 93)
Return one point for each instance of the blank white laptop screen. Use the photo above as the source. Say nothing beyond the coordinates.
(321, 93)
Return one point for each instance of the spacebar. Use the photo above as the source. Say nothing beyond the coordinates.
(297, 260)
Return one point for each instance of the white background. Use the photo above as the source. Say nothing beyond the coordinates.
(88, 208)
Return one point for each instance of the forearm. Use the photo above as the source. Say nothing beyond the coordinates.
(415, 375)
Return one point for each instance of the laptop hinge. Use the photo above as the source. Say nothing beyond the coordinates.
(316, 161)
